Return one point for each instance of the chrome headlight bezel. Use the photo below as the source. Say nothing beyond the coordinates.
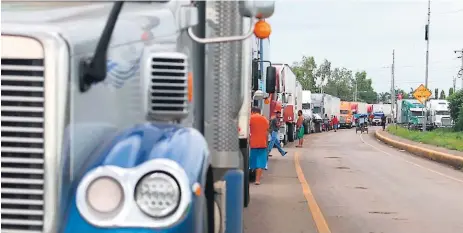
(129, 214)
(169, 180)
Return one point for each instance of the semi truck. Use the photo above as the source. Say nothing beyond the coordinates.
(307, 112)
(99, 120)
(335, 106)
(290, 97)
(410, 112)
(345, 119)
(324, 106)
(362, 108)
(384, 108)
(440, 113)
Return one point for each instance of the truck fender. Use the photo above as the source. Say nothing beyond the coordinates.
(130, 149)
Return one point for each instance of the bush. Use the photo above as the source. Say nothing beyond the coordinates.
(446, 138)
(455, 105)
(459, 120)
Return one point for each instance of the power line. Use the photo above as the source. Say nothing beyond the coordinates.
(449, 12)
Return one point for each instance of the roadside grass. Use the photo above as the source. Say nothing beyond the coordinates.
(446, 138)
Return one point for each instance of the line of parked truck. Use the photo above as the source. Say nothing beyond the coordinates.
(320, 108)
(411, 113)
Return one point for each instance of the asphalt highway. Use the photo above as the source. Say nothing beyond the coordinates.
(343, 182)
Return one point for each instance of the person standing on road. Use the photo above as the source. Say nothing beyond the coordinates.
(383, 122)
(300, 128)
(335, 123)
(274, 139)
(258, 127)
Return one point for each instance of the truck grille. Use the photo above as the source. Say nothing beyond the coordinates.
(22, 148)
(169, 86)
(446, 121)
(342, 119)
(420, 120)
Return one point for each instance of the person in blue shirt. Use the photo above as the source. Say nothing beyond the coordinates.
(274, 139)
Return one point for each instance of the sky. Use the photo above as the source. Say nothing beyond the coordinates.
(361, 35)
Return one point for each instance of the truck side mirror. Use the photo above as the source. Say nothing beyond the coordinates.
(255, 75)
(271, 79)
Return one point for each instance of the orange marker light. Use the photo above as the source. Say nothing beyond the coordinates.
(267, 101)
(262, 29)
(197, 189)
(190, 87)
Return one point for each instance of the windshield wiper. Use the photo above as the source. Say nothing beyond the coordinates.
(94, 70)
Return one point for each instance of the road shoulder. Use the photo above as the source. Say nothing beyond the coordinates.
(278, 204)
(439, 154)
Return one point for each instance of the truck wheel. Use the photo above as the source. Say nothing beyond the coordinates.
(290, 132)
(306, 128)
(245, 154)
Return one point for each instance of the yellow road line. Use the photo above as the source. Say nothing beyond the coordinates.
(317, 214)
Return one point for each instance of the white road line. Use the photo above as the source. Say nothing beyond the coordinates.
(412, 163)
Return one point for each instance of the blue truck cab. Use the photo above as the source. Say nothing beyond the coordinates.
(101, 132)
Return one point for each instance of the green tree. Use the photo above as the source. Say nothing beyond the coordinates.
(442, 95)
(365, 89)
(450, 91)
(455, 105)
(436, 93)
(323, 72)
(338, 84)
(410, 94)
(402, 92)
(336, 81)
(385, 97)
(459, 120)
(305, 73)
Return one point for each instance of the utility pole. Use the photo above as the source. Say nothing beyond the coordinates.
(454, 83)
(393, 86)
(460, 72)
(426, 37)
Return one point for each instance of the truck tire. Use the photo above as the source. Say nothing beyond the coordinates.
(290, 132)
(306, 128)
(245, 153)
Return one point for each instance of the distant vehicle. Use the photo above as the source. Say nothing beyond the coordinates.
(346, 117)
(410, 112)
(290, 97)
(307, 112)
(377, 116)
(440, 113)
(324, 104)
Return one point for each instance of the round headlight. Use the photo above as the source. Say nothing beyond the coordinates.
(105, 195)
(157, 194)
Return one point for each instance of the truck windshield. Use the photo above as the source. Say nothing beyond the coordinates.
(306, 106)
(442, 113)
(316, 110)
(344, 111)
(417, 113)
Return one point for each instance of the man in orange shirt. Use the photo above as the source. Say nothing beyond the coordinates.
(258, 143)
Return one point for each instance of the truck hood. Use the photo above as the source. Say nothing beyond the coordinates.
(307, 113)
(316, 116)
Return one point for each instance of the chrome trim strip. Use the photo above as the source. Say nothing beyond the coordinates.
(56, 75)
(129, 215)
